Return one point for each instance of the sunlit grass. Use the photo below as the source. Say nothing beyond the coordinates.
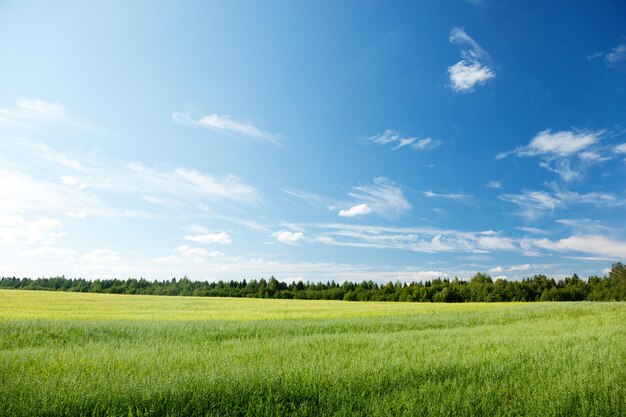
(86, 354)
(80, 306)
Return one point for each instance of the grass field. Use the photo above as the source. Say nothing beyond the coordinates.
(97, 354)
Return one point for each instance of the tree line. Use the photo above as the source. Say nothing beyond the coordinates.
(480, 288)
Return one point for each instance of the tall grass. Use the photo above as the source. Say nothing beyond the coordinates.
(93, 354)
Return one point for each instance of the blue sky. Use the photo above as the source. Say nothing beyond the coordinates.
(383, 141)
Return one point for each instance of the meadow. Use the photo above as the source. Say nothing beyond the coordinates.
(102, 354)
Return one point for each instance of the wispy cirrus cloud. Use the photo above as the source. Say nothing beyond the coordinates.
(310, 198)
(533, 230)
(497, 184)
(86, 186)
(227, 125)
(617, 54)
(414, 239)
(33, 113)
(397, 140)
(435, 240)
(449, 196)
(532, 204)
(556, 144)
(557, 150)
(471, 70)
(382, 197)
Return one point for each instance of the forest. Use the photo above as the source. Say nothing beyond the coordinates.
(480, 288)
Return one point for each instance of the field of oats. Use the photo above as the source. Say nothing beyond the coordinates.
(99, 354)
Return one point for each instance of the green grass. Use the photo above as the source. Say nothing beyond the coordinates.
(97, 354)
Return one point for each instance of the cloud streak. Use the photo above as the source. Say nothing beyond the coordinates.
(449, 196)
(86, 186)
(535, 203)
(226, 125)
(30, 113)
(397, 140)
(617, 54)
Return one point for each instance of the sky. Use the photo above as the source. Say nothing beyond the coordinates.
(385, 141)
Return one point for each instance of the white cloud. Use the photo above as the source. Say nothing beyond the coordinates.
(557, 148)
(30, 113)
(388, 136)
(185, 254)
(586, 226)
(49, 251)
(221, 238)
(621, 149)
(593, 157)
(449, 196)
(524, 267)
(76, 214)
(496, 270)
(398, 141)
(496, 243)
(190, 252)
(382, 197)
(225, 124)
(495, 184)
(464, 75)
(325, 239)
(426, 144)
(557, 144)
(562, 143)
(305, 196)
(16, 230)
(592, 244)
(432, 240)
(41, 107)
(415, 239)
(561, 168)
(617, 55)
(471, 70)
(228, 187)
(534, 203)
(290, 238)
(533, 230)
(24, 193)
(101, 256)
(418, 276)
(459, 37)
(69, 180)
(44, 186)
(357, 210)
(46, 153)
